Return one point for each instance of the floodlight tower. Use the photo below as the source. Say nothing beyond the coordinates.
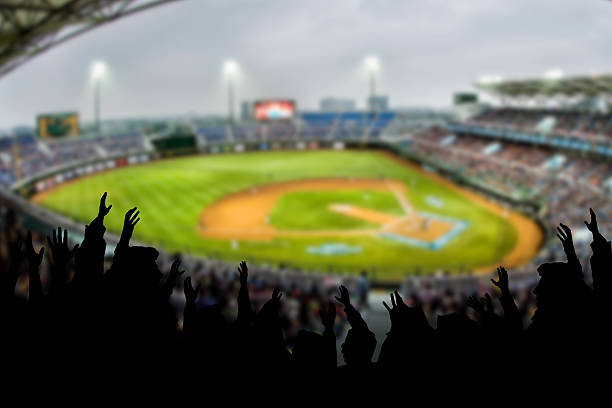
(372, 66)
(230, 70)
(97, 72)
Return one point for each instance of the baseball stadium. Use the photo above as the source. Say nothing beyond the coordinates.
(373, 195)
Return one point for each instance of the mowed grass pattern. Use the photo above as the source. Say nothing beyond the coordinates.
(172, 193)
(315, 214)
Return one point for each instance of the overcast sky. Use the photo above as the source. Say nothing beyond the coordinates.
(168, 60)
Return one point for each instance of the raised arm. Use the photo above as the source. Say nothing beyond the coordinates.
(409, 331)
(89, 258)
(129, 222)
(95, 230)
(103, 211)
(61, 255)
(594, 228)
(565, 236)
(245, 312)
(601, 260)
(34, 261)
(191, 295)
(353, 316)
(269, 342)
(397, 313)
(174, 274)
(328, 319)
(511, 312)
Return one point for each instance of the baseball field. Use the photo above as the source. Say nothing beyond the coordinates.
(322, 210)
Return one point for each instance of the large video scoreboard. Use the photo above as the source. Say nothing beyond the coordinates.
(56, 125)
(274, 109)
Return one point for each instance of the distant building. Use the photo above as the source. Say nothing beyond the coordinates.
(337, 105)
(246, 110)
(378, 103)
(466, 105)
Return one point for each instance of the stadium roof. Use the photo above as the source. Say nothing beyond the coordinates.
(585, 86)
(30, 27)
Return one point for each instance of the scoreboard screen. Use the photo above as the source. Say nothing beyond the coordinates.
(461, 98)
(56, 125)
(274, 109)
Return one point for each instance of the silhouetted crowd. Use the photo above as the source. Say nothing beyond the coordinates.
(80, 312)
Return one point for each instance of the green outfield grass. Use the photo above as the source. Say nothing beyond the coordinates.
(314, 212)
(172, 193)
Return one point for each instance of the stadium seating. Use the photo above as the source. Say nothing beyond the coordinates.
(38, 156)
(561, 182)
(523, 171)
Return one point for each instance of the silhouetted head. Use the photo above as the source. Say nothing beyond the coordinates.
(142, 266)
(358, 347)
(309, 351)
(457, 324)
(559, 287)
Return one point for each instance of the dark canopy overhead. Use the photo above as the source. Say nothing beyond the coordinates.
(30, 27)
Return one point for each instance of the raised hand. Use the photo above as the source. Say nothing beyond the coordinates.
(502, 281)
(103, 210)
(60, 251)
(397, 305)
(243, 272)
(191, 294)
(475, 303)
(174, 274)
(245, 312)
(269, 312)
(593, 227)
(565, 235)
(276, 295)
(601, 259)
(129, 222)
(399, 312)
(328, 319)
(344, 298)
(174, 270)
(484, 305)
(34, 259)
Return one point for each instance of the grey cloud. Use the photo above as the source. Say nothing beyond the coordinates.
(168, 60)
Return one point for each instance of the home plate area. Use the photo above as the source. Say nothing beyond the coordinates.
(425, 230)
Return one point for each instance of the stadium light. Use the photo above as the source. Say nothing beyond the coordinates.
(230, 68)
(98, 71)
(372, 66)
(230, 71)
(553, 74)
